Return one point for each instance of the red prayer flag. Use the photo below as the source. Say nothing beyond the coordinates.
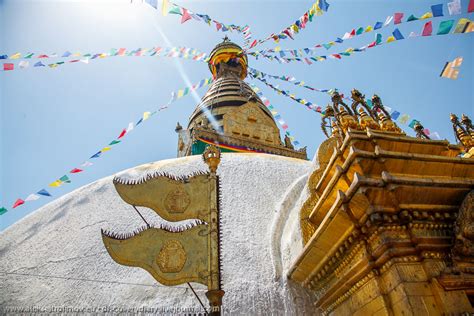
(372, 44)
(122, 133)
(75, 170)
(337, 56)
(186, 16)
(427, 29)
(470, 8)
(43, 56)
(254, 43)
(397, 17)
(287, 32)
(8, 66)
(121, 51)
(18, 203)
(353, 33)
(218, 25)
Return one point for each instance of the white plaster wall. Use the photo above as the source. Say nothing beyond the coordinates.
(55, 256)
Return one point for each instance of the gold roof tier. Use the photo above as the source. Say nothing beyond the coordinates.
(378, 225)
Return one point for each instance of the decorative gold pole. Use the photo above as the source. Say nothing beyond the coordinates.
(214, 294)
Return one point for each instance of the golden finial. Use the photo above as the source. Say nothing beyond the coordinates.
(347, 121)
(212, 157)
(466, 121)
(387, 124)
(377, 107)
(367, 121)
(328, 113)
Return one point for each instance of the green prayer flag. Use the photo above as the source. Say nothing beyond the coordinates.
(360, 30)
(86, 55)
(445, 27)
(114, 142)
(378, 40)
(412, 18)
(3, 210)
(412, 123)
(175, 10)
(186, 91)
(345, 53)
(29, 55)
(65, 179)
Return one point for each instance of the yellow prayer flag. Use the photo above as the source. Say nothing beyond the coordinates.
(470, 27)
(15, 56)
(390, 39)
(277, 49)
(349, 50)
(146, 115)
(294, 27)
(180, 93)
(404, 118)
(457, 62)
(461, 26)
(164, 7)
(427, 15)
(369, 28)
(55, 184)
(105, 149)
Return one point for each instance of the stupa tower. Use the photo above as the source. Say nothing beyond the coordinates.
(231, 115)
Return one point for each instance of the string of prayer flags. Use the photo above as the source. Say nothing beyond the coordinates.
(451, 69)
(464, 25)
(65, 178)
(318, 8)
(437, 11)
(186, 15)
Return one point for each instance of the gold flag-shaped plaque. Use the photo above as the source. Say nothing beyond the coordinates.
(171, 257)
(174, 199)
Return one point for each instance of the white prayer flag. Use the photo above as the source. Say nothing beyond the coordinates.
(454, 7)
(32, 197)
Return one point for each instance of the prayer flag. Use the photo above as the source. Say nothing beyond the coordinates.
(153, 3)
(15, 56)
(404, 118)
(218, 25)
(186, 16)
(65, 179)
(76, 170)
(29, 55)
(164, 7)
(437, 9)
(397, 17)
(388, 20)
(462, 25)
(114, 142)
(122, 133)
(360, 30)
(378, 39)
(397, 34)
(369, 28)
(412, 18)
(445, 27)
(323, 5)
(18, 203)
(454, 7)
(3, 56)
(55, 184)
(395, 115)
(87, 164)
(66, 54)
(96, 155)
(427, 15)
(470, 7)
(24, 64)
(427, 29)
(3, 210)
(105, 149)
(32, 197)
(130, 127)
(146, 115)
(378, 25)
(8, 66)
(390, 39)
(412, 123)
(174, 10)
(43, 192)
(435, 136)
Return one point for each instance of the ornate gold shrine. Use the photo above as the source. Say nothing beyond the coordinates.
(389, 224)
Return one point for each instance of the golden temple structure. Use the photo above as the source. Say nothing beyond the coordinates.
(231, 116)
(388, 228)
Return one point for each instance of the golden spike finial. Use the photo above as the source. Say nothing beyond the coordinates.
(347, 121)
(466, 121)
(212, 157)
(387, 124)
(367, 121)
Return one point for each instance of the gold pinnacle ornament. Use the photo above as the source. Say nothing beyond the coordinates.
(173, 256)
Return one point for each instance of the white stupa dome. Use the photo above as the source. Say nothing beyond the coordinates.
(55, 256)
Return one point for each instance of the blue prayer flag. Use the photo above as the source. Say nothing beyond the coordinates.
(96, 155)
(395, 115)
(43, 192)
(437, 9)
(3, 56)
(397, 34)
(378, 25)
(323, 5)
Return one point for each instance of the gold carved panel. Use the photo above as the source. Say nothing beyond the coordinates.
(172, 258)
(171, 198)
(250, 121)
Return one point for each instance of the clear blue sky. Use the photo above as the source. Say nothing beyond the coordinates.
(53, 119)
